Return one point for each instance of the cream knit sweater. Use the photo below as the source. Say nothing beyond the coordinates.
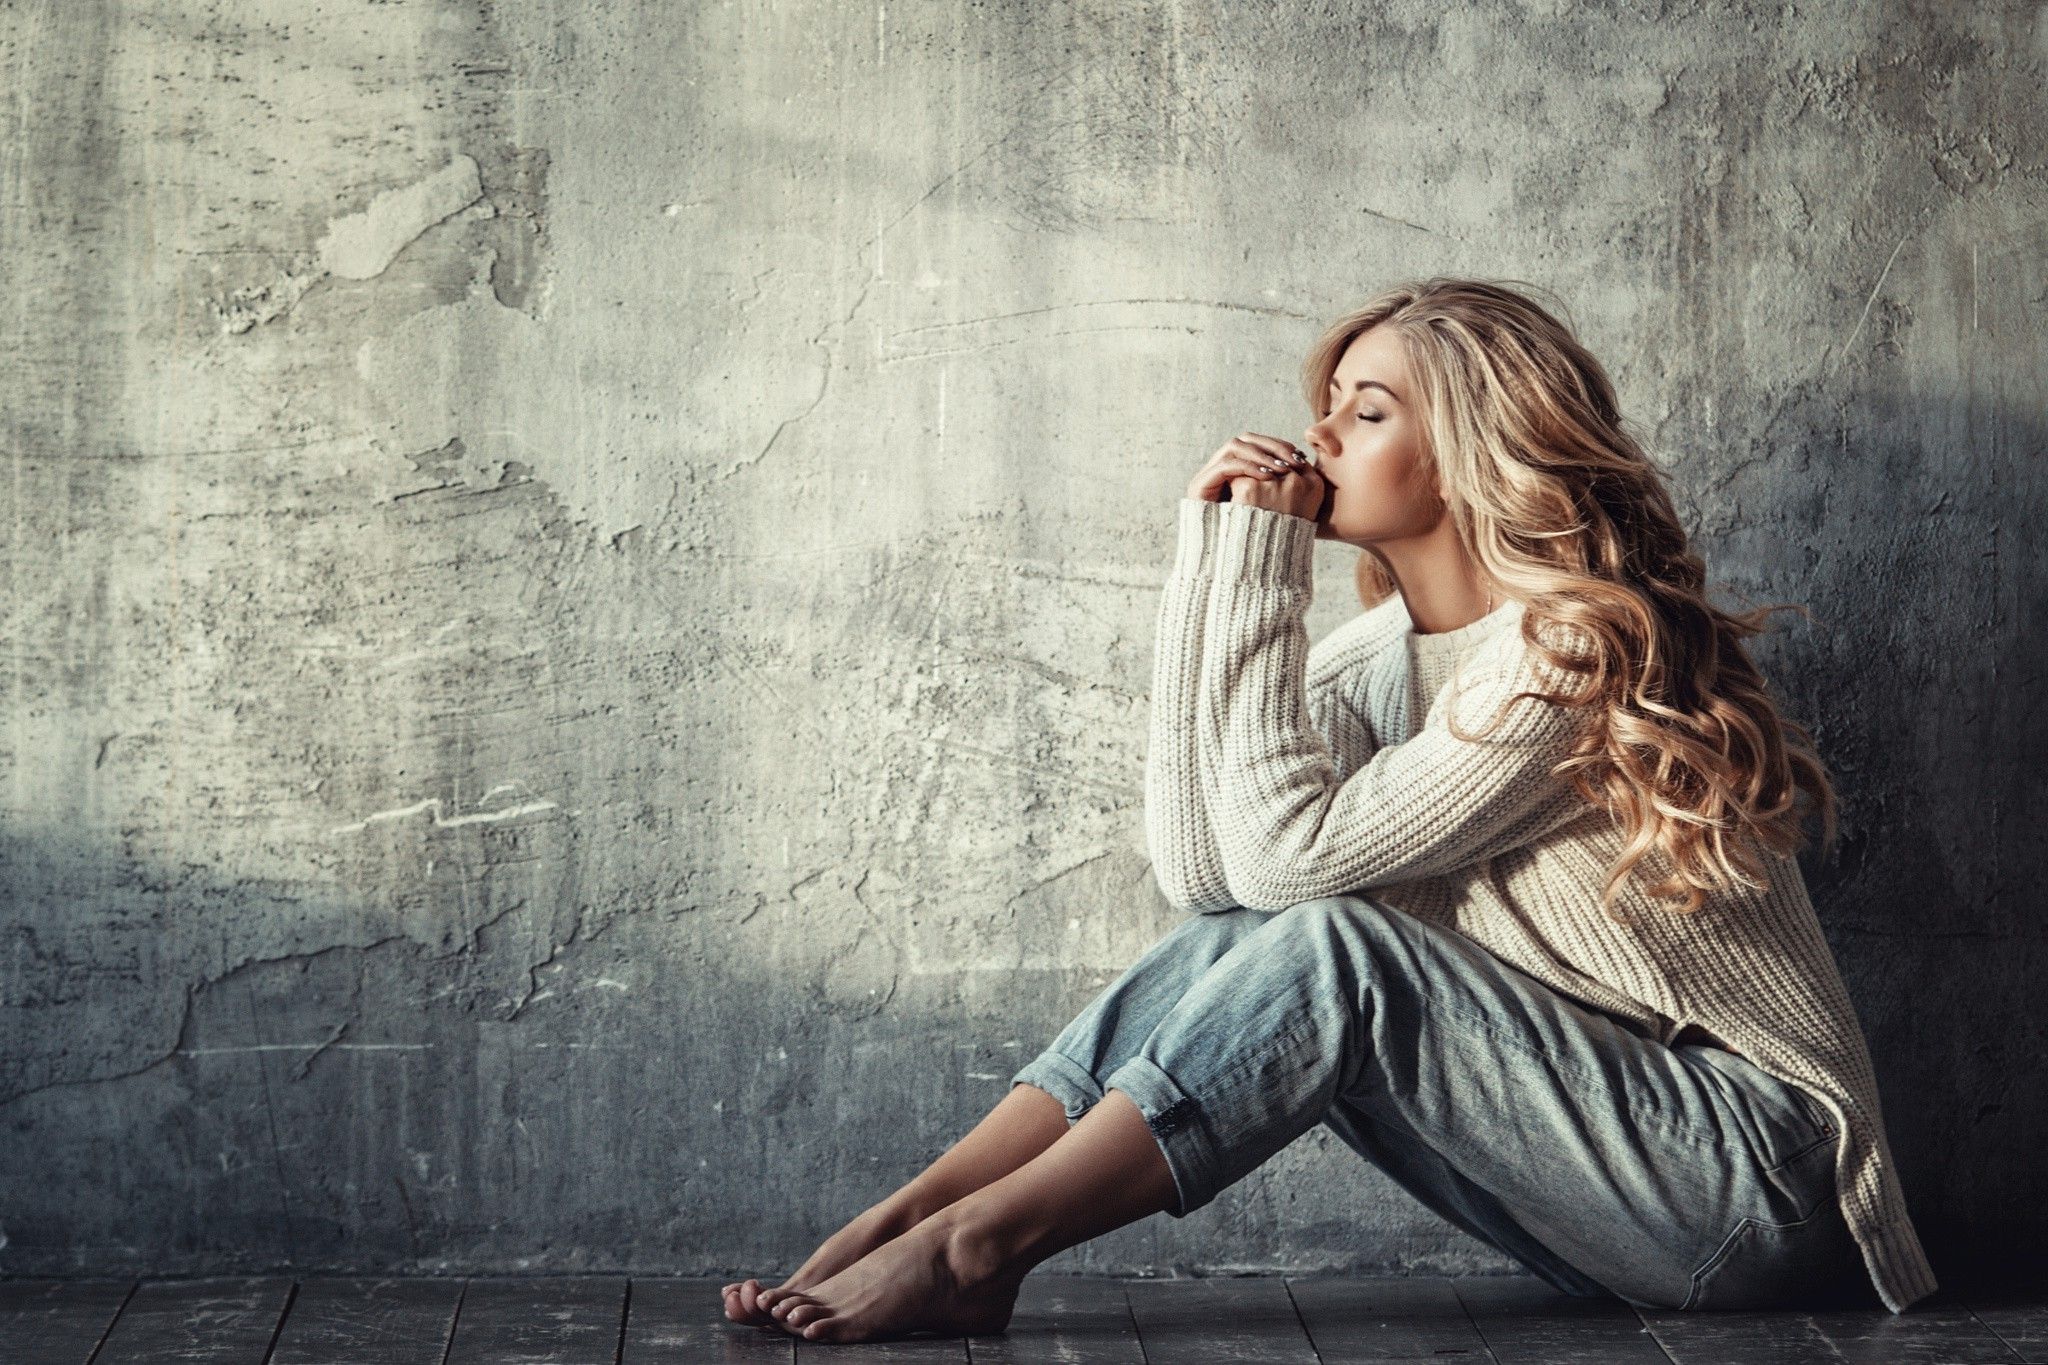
(1278, 773)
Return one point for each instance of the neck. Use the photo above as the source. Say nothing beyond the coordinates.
(1439, 585)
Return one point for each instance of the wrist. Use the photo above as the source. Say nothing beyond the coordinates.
(1263, 546)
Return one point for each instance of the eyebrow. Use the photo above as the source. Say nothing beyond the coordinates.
(1367, 384)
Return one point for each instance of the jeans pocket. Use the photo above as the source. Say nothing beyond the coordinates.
(1769, 1262)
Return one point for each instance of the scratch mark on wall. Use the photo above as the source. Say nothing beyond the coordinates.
(332, 1038)
(1843, 353)
(434, 805)
(284, 1184)
(975, 335)
(300, 1047)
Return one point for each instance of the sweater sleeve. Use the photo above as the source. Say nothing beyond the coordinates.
(1336, 667)
(1289, 827)
(1179, 833)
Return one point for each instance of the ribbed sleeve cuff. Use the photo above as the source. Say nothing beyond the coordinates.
(1904, 1277)
(1194, 547)
(1264, 547)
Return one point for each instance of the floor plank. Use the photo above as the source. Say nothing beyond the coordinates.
(951, 1350)
(57, 1322)
(197, 1322)
(1219, 1321)
(1946, 1335)
(1363, 1320)
(568, 1320)
(1065, 1320)
(2017, 1317)
(672, 1321)
(368, 1322)
(1524, 1321)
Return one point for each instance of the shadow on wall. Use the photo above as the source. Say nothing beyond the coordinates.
(1918, 681)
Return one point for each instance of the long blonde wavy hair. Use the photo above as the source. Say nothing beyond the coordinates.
(1558, 505)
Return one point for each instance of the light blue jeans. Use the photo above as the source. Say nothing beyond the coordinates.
(1605, 1162)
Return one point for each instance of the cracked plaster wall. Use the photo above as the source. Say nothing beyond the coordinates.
(580, 578)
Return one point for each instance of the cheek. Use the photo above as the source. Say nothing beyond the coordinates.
(1386, 472)
(1385, 491)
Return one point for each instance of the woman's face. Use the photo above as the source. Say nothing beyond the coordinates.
(1370, 448)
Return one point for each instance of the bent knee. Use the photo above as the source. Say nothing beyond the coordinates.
(1347, 926)
(1215, 931)
(1340, 909)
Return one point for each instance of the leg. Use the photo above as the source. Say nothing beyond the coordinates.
(1047, 1095)
(1023, 1123)
(1112, 1027)
(1075, 1067)
(1406, 1157)
(1672, 1177)
(958, 1271)
(1647, 1170)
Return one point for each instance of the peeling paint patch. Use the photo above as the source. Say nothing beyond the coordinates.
(360, 245)
(439, 376)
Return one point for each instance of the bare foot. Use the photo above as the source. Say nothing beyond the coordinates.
(927, 1279)
(748, 1301)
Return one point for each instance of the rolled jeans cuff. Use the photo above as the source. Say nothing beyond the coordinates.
(1179, 1126)
(1175, 1119)
(1063, 1078)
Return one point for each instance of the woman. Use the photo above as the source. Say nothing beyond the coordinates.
(1496, 881)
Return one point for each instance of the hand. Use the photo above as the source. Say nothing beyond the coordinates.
(1261, 471)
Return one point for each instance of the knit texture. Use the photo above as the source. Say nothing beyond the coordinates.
(1278, 773)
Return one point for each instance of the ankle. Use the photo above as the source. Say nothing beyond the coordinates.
(978, 1251)
(903, 1210)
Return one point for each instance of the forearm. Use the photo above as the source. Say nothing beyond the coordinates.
(1289, 825)
(1179, 832)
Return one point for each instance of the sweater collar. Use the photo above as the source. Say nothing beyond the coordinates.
(1464, 637)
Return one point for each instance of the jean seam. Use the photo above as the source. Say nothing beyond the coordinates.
(1489, 1032)
(1714, 1262)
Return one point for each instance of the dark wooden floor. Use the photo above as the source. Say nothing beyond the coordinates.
(604, 1321)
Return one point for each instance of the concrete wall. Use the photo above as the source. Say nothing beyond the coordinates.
(579, 578)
